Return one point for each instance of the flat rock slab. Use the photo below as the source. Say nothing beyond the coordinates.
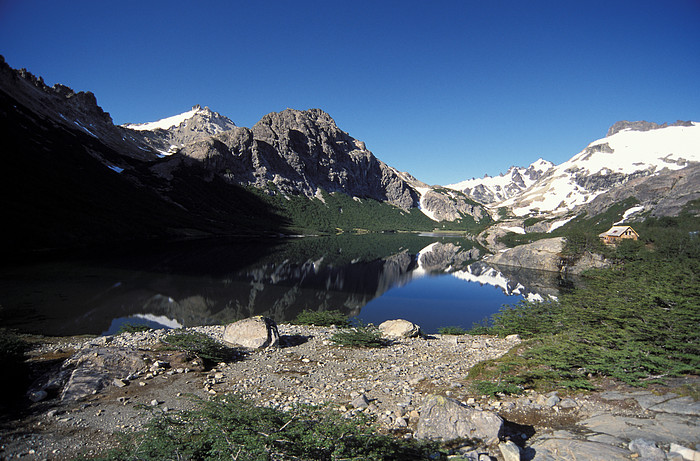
(663, 428)
(94, 369)
(565, 449)
(680, 406)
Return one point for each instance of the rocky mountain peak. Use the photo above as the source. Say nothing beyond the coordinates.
(489, 189)
(642, 125)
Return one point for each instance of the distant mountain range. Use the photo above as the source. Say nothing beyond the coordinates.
(71, 177)
(657, 164)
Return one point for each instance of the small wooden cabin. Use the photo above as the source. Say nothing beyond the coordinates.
(617, 233)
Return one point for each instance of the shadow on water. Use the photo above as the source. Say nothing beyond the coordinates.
(222, 280)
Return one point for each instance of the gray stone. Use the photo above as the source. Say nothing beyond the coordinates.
(566, 449)
(647, 450)
(552, 400)
(254, 332)
(38, 396)
(446, 419)
(686, 453)
(118, 382)
(663, 428)
(399, 329)
(360, 402)
(567, 403)
(681, 406)
(605, 438)
(95, 368)
(648, 400)
(509, 450)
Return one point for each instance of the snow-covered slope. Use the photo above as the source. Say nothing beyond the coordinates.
(171, 133)
(166, 123)
(215, 121)
(606, 163)
(495, 189)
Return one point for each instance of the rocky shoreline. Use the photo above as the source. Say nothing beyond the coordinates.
(109, 384)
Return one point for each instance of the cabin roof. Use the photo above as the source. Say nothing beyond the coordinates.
(616, 231)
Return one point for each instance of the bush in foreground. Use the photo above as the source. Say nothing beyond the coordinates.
(233, 428)
(322, 318)
(458, 331)
(360, 336)
(203, 346)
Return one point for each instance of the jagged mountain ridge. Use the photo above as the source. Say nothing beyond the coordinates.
(633, 151)
(71, 177)
(303, 152)
(655, 163)
(169, 134)
(495, 189)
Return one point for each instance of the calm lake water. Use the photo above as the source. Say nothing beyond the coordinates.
(430, 280)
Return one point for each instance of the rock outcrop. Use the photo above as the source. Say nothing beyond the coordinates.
(254, 332)
(541, 255)
(545, 255)
(296, 152)
(443, 418)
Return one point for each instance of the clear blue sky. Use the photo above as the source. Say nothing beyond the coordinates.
(446, 90)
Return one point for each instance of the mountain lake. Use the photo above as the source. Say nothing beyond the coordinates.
(431, 280)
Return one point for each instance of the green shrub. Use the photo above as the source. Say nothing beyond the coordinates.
(452, 331)
(231, 428)
(360, 336)
(203, 346)
(322, 318)
(132, 328)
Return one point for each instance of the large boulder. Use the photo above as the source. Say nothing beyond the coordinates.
(399, 329)
(446, 419)
(254, 332)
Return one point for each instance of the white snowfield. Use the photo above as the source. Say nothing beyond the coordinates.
(633, 151)
(497, 184)
(165, 123)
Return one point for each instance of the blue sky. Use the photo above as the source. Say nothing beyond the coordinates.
(446, 90)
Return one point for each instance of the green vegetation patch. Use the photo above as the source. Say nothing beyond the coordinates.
(204, 347)
(634, 322)
(231, 428)
(132, 328)
(452, 331)
(322, 318)
(338, 212)
(360, 336)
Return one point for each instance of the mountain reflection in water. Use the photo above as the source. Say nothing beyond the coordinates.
(220, 281)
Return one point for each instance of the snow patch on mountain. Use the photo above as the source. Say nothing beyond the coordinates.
(166, 123)
(557, 224)
(629, 213)
(492, 189)
(605, 163)
(421, 204)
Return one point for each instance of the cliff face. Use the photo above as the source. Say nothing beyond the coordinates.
(297, 152)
